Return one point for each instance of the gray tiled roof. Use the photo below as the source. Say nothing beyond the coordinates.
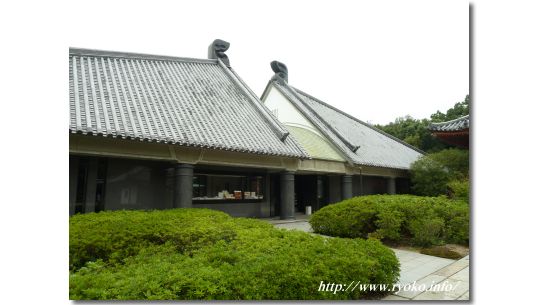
(192, 102)
(453, 125)
(360, 142)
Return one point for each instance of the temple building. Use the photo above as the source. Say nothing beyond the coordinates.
(454, 132)
(158, 132)
(348, 156)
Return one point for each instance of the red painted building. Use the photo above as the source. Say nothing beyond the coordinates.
(454, 132)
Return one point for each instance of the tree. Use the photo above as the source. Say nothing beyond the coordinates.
(444, 170)
(455, 160)
(460, 109)
(429, 177)
(416, 132)
(434, 174)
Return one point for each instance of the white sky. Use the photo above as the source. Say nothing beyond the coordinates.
(376, 60)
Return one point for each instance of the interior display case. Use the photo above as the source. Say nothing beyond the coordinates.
(222, 188)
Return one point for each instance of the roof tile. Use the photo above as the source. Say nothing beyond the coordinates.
(376, 148)
(453, 125)
(183, 101)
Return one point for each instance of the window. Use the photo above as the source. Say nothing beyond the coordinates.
(91, 173)
(209, 188)
(199, 184)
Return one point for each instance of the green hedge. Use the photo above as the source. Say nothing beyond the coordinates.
(112, 236)
(421, 221)
(188, 254)
(459, 189)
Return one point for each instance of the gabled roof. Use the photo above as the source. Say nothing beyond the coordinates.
(361, 143)
(183, 101)
(458, 124)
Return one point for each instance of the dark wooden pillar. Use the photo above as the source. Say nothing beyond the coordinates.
(170, 177)
(347, 187)
(287, 195)
(91, 185)
(73, 179)
(266, 210)
(391, 185)
(183, 185)
(335, 188)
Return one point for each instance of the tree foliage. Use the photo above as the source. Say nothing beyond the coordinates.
(445, 169)
(455, 160)
(460, 109)
(415, 132)
(432, 174)
(429, 177)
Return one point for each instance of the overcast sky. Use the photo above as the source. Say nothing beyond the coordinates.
(376, 60)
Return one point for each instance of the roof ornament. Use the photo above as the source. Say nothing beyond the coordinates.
(280, 69)
(216, 51)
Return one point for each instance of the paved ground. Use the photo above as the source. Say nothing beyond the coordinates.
(452, 276)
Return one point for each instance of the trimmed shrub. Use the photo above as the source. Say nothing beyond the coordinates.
(114, 235)
(429, 177)
(459, 189)
(421, 221)
(426, 231)
(388, 223)
(253, 261)
(431, 173)
(455, 160)
(456, 217)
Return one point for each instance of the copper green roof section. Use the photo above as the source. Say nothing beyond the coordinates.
(315, 145)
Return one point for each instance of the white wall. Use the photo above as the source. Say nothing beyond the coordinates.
(286, 112)
(289, 115)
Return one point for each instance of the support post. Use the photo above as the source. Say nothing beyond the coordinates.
(361, 190)
(183, 185)
(73, 179)
(287, 195)
(391, 185)
(170, 174)
(265, 208)
(91, 185)
(347, 187)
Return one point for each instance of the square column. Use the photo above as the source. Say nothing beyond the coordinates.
(91, 185)
(73, 179)
(347, 187)
(170, 181)
(335, 188)
(287, 195)
(391, 185)
(183, 185)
